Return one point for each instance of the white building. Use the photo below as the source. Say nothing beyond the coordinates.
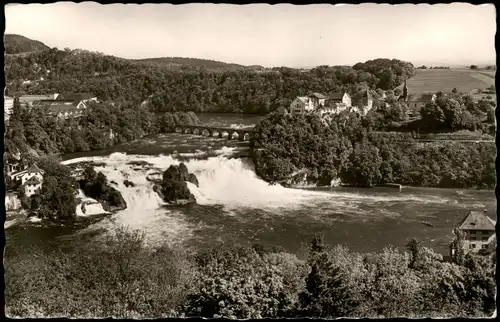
(478, 231)
(333, 104)
(32, 186)
(12, 202)
(8, 104)
(336, 103)
(307, 104)
(28, 100)
(25, 175)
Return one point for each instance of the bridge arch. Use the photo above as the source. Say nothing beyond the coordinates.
(205, 132)
(232, 136)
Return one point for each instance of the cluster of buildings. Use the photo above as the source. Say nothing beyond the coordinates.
(338, 102)
(61, 105)
(30, 179)
(333, 103)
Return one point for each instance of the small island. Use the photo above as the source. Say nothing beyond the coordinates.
(173, 187)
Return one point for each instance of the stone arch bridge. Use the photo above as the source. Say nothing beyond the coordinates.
(211, 131)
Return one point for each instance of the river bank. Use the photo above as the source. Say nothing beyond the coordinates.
(235, 206)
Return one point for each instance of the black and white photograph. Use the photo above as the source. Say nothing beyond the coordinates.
(208, 160)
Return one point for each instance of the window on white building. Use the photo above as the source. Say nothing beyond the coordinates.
(472, 245)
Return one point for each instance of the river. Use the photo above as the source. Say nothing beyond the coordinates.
(235, 206)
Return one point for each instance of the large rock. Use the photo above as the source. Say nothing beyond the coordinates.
(173, 188)
(192, 178)
(128, 183)
(114, 201)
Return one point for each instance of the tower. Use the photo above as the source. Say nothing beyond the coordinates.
(405, 92)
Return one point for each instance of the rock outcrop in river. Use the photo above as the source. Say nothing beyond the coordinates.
(173, 188)
(95, 185)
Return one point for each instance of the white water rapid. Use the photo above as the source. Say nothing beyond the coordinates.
(231, 183)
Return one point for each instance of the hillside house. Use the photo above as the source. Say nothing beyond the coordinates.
(315, 102)
(11, 167)
(8, 105)
(479, 233)
(32, 186)
(339, 102)
(307, 104)
(12, 202)
(416, 102)
(365, 104)
(64, 109)
(27, 101)
(301, 105)
(25, 175)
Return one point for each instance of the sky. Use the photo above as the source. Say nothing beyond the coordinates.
(267, 35)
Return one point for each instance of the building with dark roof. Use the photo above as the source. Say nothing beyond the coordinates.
(83, 97)
(478, 231)
(32, 186)
(307, 104)
(363, 105)
(414, 101)
(30, 100)
(64, 108)
(25, 175)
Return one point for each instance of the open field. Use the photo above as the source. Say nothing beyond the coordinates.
(464, 80)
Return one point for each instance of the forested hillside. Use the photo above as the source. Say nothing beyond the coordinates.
(182, 63)
(17, 44)
(194, 87)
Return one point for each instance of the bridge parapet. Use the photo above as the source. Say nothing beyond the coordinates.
(243, 134)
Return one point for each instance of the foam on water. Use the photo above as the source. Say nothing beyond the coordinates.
(231, 183)
(92, 206)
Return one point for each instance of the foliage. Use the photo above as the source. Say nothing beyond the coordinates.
(391, 73)
(168, 121)
(181, 84)
(16, 44)
(57, 198)
(102, 125)
(347, 147)
(117, 277)
(283, 145)
(240, 283)
(364, 165)
(120, 276)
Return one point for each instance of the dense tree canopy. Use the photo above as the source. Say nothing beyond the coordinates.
(34, 131)
(344, 146)
(191, 88)
(57, 198)
(122, 277)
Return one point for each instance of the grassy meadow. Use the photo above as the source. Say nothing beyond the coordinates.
(464, 80)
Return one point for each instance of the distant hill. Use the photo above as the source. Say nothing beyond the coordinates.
(179, 62)
(17, 44)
